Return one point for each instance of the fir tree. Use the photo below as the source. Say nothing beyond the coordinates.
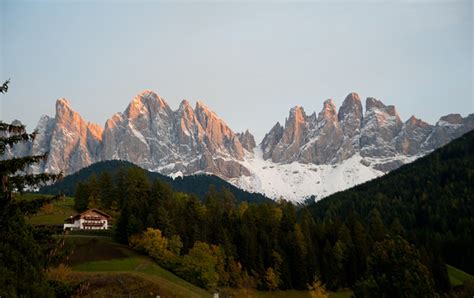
(22, 257)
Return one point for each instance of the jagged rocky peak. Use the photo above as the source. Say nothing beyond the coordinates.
(65, 115)
(142, 134)
(350, 118)
(392, 111)
(295, 126)
(323, 139)
(329, 111)
(412, 136)
(150, 97)
(185, 108)
(271, 139)
(202, 109)
(71, 141)
(372, 103)
(64, 112)
(147, 102)
(451, 119)
(62, 102)
(189, 130)
(293, 136)
(383, 112)
(447, 128)
(380, 127)
(210, 121)
(413, 121)
(189, 140)
(247, 140)
(297, 114)
(351, 108)
(186, 116)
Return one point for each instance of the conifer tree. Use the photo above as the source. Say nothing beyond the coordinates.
(22, 256)
(395, 270)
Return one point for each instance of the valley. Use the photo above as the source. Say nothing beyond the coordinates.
(236, 149)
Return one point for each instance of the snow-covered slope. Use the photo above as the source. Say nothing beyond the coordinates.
(296, 181)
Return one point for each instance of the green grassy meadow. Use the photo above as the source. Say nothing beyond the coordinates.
(457, 277)
(101, 258)
(52, 214)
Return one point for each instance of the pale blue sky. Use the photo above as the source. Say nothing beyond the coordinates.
(248, 61)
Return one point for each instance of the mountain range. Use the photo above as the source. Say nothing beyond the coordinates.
(311, 155)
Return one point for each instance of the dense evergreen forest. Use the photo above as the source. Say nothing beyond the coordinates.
(431, 201)
(115, 169)
(390, 235)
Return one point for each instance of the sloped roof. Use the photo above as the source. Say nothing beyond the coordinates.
(89, 210)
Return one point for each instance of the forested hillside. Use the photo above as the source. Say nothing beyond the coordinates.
(390, 236)
(431, 202)
(196, 184)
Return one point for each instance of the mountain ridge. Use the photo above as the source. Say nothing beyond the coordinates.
(337, 143)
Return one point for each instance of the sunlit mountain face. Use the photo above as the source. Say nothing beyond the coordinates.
(310, 155)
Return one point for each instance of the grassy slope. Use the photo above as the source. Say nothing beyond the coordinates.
(102, 257)
(54, 214)
(144, 267)
(457, 277)
(118, 259)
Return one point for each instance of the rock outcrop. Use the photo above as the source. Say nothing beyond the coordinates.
(379, 137)
(195, 140)
(148, 133)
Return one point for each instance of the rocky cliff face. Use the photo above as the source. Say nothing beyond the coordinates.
(350, 117)
(148, 133)
(344, 146)
(247, 140)
(72, 142)
(379, 136)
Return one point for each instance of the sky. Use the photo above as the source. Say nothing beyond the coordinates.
(249, 61)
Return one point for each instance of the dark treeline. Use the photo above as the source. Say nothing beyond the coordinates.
(265, 246)
(431, 200)
(195, 184)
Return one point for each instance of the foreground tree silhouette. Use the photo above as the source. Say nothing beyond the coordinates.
(22, 249)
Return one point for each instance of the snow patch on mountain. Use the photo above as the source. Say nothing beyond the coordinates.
(297, 181)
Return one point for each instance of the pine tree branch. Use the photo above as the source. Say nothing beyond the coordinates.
(20, 182)
(11, 166)
(15, 138)
(4, 87)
